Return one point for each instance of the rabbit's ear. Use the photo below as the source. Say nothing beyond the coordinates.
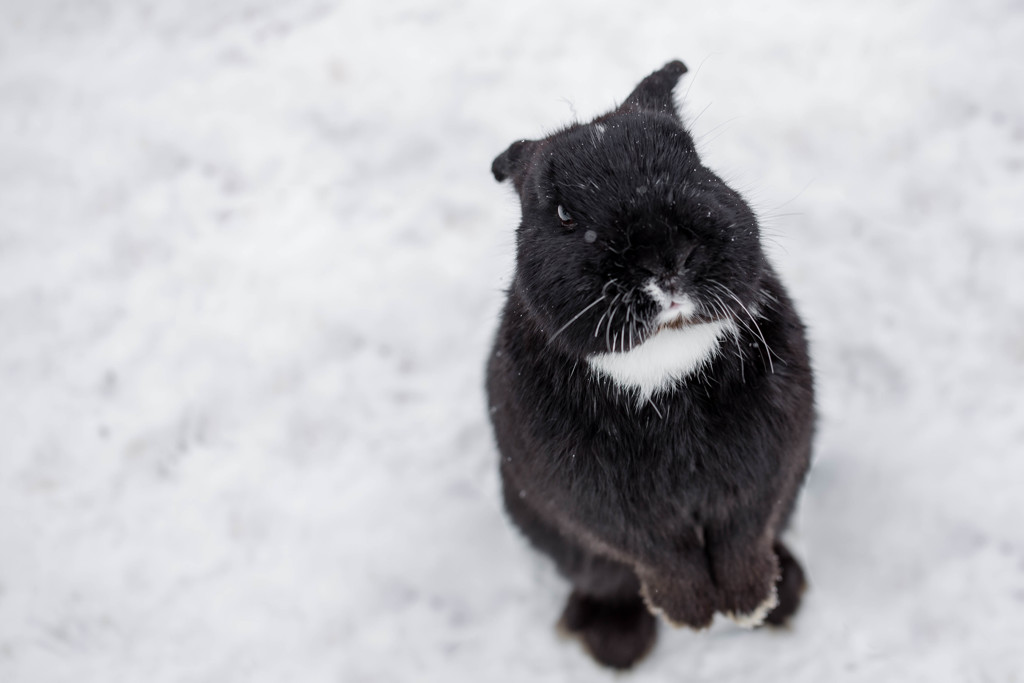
(655, 92)
(513, 161)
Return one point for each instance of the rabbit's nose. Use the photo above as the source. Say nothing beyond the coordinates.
(672, 283)
(675, 270)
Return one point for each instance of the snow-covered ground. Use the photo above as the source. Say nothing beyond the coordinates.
(251, 259)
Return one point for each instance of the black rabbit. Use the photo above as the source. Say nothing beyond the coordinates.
(650, 387)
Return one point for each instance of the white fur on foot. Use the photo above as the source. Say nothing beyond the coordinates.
(757, 617)
(661, 614)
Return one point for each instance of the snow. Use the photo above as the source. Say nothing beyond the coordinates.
(251, 259)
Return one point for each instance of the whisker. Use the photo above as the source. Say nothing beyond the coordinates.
(649, 400)
(597, 330)
(719, 306)
(608, 341)
(724, 123)
(604, 293)
(759, 333)
(634, 319)
(575, 318)
(694, 78)
(628, 300)
(693, 123)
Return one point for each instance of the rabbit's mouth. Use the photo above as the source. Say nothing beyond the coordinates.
(678, 310)
(677, 314)
(678, 322)
(681, 311)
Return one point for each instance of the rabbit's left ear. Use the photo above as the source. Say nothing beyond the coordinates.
(655, 92)
(513, 162)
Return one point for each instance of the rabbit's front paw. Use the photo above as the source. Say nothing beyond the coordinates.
(747, 588)
(682, 601)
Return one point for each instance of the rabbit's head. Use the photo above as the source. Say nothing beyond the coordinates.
(624, 232)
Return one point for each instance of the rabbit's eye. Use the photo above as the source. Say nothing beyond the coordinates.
(567, 220)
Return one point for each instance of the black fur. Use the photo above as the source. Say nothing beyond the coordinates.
(676, 500)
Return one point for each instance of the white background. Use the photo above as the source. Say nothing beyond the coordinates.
(251, 259)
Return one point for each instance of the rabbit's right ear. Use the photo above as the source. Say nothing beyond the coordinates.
(513, 161)
(655, 92)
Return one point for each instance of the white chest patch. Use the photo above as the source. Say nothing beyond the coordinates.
(667, 357)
